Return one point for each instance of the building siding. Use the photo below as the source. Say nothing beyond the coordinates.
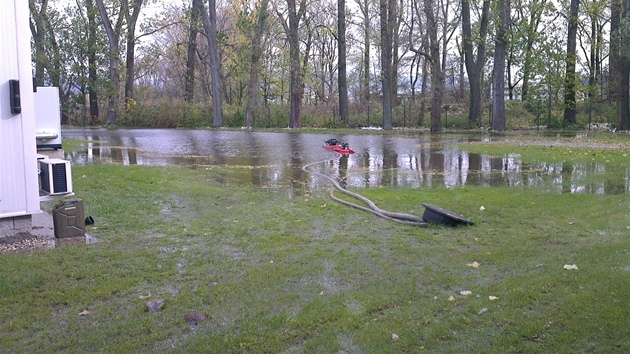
(19, 190)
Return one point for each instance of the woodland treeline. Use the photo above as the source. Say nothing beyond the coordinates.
(324, 63)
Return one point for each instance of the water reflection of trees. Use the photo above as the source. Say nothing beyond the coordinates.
(457, 168)
(273, 160)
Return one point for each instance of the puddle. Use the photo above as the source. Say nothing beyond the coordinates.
(276, 159)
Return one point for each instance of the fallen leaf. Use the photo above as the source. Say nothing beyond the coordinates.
(321, 293)
(194, 318)
(451, 298)
(482, 208)
(570, 267)
(473, 265)
(271, 261)
(465, 292)
(492, 298)
(155, 306)
(142, 297)
(84, 312)
(395, 337)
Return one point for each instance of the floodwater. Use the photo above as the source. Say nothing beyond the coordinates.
(276, 159)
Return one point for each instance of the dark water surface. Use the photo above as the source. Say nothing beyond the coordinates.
(276, 159)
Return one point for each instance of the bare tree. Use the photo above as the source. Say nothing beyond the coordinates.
(291, 29)
(474, 65)
(569, 79)
(131, 20)
(113, 36)
(253, 103)
(209, 19)
(498, 71)
(431, 43)
(38, 30)
(386, 13)
(366, 28)
(191, 52)
(341, 43)
(437, 75)
(92, 60)
(47, 51)
(619, 61)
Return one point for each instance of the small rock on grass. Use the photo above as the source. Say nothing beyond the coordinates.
(155, 306)
(194, 318)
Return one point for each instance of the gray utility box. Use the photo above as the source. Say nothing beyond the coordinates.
(68, 218)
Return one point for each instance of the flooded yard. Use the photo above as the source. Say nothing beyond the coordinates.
(411, 161)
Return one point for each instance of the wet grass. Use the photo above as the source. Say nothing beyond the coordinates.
(280, 271)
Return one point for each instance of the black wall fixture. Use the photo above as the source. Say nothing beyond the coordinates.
(14, 93)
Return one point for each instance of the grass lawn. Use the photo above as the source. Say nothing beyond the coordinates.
(276, 272)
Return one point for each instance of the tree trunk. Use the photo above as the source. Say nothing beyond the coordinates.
(569, 80)
(474, 66)
(498, 72)
(624, 99)
(92, 61)
(394, 22)
(210, 25)
(619, 90)
(624, 73)
(341, 44)
(291, 29)
(614, 84)
(131, 49)
(365, 79)
(526, 73)
(593, 55)
(252, 103)
(37, 25)
(437, 76)
(423, 92)
(113, 36)
(598, 58)
(191, 52)
(386, 64)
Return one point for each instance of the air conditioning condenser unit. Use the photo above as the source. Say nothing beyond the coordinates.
(55, 176)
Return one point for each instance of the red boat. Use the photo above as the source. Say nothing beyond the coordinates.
(338, 147)
(342, 150)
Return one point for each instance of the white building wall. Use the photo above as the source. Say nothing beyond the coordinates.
(19, 189)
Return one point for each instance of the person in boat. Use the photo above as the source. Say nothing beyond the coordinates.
(332, 142)
(345, 146)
